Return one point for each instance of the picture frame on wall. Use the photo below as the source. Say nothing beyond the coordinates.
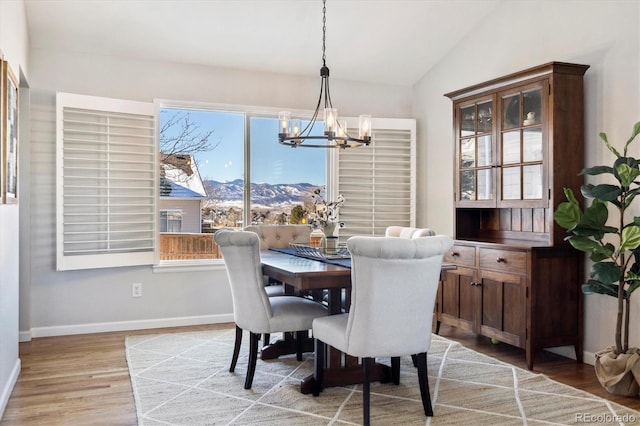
(2, 125)
(10, 128)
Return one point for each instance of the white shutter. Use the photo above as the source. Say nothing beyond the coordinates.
(379, 181)
(106, 182)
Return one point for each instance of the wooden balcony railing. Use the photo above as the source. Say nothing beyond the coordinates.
(188, 247)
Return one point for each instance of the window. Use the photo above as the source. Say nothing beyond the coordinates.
(171, 221)
(246, 176)
(282, 178)
(130, 195)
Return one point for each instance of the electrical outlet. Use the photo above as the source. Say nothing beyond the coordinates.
(136, 290)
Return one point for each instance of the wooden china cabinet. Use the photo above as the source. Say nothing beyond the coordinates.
(518, 144)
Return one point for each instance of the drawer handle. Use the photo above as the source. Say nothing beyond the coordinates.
(501, 260)
(475, 284)
(455, 254)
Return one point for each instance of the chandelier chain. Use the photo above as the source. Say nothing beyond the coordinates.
(324, 31)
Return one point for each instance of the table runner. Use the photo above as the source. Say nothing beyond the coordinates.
(340, 262)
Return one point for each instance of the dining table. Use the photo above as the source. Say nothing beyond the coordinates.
(308, 274)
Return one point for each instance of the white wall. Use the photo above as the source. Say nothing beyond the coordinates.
(83, 301)
(13, 44)
(518, 35)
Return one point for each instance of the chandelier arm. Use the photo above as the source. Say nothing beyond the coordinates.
(312, 122)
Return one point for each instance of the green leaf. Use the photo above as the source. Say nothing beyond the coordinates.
(568, 214)
(597, 170)
(630, 238)
(584, 244)
(606, 272)
(634, 132)
(596, 287)
(603, 136)
(603, 192)
(627, 174)
(602, 252)
(633, 287)
(596, 215)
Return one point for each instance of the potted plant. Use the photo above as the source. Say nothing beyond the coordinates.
(614, 249)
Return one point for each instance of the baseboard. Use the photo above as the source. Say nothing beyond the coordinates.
(65, 330)
(569, 352)
(589, 358)
(24, 336)
(8, 387)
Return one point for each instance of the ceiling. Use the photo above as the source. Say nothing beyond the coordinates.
(377, 41)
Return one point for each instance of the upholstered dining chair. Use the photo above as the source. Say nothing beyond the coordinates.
(253, 310)
(408, 232)
(394, 281)
(279, 236)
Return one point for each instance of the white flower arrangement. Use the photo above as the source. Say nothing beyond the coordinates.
(325, 213)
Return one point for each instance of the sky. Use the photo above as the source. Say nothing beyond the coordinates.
(271, 162)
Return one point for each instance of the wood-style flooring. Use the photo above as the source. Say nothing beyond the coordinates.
(84, 379)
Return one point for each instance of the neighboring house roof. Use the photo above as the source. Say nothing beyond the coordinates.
(180, 177)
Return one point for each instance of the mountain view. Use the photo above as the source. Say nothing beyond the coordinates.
(265, 194)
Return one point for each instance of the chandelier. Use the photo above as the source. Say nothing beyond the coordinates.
(335, 131)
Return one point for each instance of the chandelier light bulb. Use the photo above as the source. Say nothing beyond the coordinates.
(364, 126)
(285, 120)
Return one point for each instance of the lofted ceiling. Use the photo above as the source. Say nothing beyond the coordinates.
(377, 41)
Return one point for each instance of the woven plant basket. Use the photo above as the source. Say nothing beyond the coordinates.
(619, 374)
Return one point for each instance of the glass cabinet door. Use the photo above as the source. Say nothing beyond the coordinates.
(475, 152)
(522, 147)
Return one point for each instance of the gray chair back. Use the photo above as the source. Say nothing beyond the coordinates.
(241, 252)
(279, 236)
(394, 287)
(408, 232)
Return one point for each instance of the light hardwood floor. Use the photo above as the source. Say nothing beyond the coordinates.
(84, 380)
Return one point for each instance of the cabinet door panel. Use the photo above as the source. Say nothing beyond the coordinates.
(521, 147)
(475, 153)
(457, 296)
(467, 298)
(450, 294)
(514, 317)
(504, 305)
(492, 303)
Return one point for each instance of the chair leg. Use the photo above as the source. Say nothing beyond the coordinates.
(423, 378)
(236, 349)
(320, 348)
(415, 361)
(266, 338)
(300, 337)
(253, 359)
(395, 370)
(366, 391)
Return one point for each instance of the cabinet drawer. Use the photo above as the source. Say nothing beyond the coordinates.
(503, 260)
(461, 255)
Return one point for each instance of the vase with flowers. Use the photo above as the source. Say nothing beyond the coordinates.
(324, 214)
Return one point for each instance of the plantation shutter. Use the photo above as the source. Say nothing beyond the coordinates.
(106, 182)
(379, 181)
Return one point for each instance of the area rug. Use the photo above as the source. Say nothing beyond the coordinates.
(184, 379)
